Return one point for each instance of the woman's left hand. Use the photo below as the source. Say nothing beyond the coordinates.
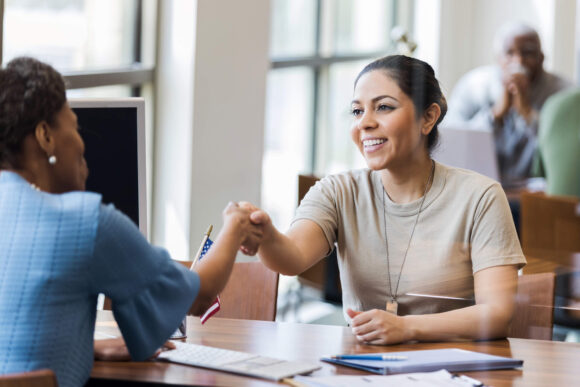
(111, 350)
(116, 350)
(377, 327)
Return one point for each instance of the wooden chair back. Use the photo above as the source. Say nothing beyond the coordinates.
(550, 222)
(534, 309)
(40, 378)
(250, 294)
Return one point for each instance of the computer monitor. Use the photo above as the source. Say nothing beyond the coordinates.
(469, 148)
(114, 134)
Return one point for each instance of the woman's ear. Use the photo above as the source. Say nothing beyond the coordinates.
(430, 117)
(45, 138)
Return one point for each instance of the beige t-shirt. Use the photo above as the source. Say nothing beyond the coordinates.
(465, 226)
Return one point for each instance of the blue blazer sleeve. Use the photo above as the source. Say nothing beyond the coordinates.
(150, 293)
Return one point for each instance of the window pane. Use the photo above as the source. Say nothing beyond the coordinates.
(121, 91)
(361, 26)
(335, 149)
(71, 35)
(287, 142)
(293, 28)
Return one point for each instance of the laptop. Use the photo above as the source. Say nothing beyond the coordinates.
(468, 148)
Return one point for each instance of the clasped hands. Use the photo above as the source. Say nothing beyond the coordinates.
(515, 95)
(253, 223)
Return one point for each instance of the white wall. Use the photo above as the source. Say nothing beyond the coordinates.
(465, 37)
(211, 75)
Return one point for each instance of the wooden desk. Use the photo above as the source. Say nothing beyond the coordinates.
(546, 363)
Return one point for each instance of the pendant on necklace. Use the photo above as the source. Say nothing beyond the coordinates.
(392, 306)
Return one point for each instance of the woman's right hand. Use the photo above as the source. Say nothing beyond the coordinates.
(261, 219)
(238, 217)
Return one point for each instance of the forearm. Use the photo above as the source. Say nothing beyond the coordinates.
(279, 253)
(215, 268)
(477, 322)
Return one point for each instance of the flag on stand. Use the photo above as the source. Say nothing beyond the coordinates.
(215, 307)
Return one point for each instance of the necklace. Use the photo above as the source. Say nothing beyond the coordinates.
(392, 304)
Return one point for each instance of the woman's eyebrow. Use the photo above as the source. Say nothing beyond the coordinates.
(377, 98)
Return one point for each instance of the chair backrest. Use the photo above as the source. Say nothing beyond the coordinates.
(250, 294)
(534, 308)
(40, 378)
(558, 156)
(550, 222)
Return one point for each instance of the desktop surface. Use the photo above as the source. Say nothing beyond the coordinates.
(545, 362)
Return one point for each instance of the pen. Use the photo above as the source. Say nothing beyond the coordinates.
(205, 236)
(370, 357)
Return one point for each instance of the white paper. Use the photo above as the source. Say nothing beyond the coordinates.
(440, 378)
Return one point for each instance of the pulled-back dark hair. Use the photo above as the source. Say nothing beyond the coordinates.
(417, 80)
(30, 92)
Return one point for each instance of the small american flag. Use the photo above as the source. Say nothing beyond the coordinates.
(215, 307)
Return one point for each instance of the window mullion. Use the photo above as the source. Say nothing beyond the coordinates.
(1, 30)
(136, 90)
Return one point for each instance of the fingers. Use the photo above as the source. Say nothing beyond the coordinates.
(250, 221)
(169, 345)
(360, 318)
(111, 350)
(252, 242)
(259, 217)
(352, 313)
(248, 206)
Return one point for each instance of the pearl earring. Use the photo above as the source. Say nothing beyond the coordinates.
(52, 160)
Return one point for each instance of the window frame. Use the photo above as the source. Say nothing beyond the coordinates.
(135, 75)
(319, 63)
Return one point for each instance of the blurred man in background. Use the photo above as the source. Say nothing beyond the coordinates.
(507, 98)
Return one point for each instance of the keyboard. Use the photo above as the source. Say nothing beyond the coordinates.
(235, 362)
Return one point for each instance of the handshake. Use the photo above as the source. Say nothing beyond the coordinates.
(249, 223)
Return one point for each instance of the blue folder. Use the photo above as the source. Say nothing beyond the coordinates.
(451, 359)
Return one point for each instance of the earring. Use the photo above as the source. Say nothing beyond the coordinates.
(52, 160)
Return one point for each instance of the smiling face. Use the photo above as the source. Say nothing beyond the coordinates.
(385, 126)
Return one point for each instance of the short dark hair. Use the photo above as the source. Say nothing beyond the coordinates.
(30, 92)
(417, 80)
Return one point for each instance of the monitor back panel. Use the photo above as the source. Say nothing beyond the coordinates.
(111, 150)
(469, 149)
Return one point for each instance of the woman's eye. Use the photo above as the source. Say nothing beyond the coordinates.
(384, 107)
(356, 112)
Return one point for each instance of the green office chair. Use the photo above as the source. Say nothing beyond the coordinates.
(558, 156)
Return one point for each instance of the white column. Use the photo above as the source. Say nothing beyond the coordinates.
(173, 126)
(231, 64)
(211, 76)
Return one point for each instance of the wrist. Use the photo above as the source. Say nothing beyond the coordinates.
(234, 228)
(410, 328)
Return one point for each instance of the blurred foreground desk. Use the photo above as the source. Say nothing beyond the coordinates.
(551, 261)
(546, 363)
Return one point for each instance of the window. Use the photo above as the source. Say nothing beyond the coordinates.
(317, 48)
(103, 48)
(93, 43)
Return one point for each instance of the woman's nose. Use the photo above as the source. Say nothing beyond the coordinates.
(367, 121)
